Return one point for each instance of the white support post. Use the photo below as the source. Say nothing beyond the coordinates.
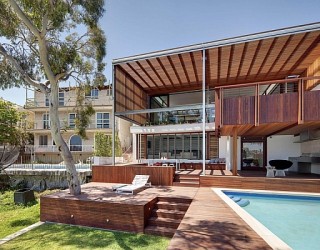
(204, 112)
(113, 118)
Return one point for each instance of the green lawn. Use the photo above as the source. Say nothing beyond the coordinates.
(55, 236)
(15, 217)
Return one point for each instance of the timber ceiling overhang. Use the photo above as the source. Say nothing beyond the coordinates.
(271, 55)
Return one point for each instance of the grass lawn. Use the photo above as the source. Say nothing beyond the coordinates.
(15, 217)
(57, 236)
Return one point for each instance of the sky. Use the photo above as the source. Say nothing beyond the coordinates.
(140, 26)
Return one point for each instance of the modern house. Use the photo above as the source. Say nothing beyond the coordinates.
(244, 100)
(101, 100)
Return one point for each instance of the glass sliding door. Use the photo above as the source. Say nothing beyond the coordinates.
(253, 153)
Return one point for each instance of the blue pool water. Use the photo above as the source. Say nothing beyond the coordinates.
(294, 219)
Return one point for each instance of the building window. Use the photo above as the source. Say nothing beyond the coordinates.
(47, 101)
(72, 118)
(93, 94)
(103, 120)
(46, 121)
(61, 98)
(43, 140)
(75, 143)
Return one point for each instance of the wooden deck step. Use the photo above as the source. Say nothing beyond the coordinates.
(186, 184)
(164, 213)
(172, 206)
(174, 199)
(161, 231)
(164, 222)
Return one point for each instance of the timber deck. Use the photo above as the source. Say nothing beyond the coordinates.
(208, 223)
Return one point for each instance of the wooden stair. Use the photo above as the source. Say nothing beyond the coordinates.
(166, 216)
(186, 180)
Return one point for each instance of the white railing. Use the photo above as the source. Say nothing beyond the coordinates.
(103, 99)
(40, 124)
(54, 148)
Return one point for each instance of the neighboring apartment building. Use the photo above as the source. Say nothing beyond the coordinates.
(101, 100)
(260, 95)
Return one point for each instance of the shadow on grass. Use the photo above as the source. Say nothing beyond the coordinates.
(23, 222)
(57, 236)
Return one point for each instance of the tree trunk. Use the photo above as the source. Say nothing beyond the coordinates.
(72, 175)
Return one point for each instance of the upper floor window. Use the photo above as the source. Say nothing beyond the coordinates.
(61, 99)
(75, 143)
(93, 93)
(43, 140)
(72, 118)
(46, 121)
(103, 120)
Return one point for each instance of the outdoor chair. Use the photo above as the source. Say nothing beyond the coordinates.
(139, 182)
(280, 166)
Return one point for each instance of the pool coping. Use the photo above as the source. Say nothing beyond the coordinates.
(274, 241)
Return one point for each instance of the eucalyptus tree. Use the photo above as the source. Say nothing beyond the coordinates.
(44, 43)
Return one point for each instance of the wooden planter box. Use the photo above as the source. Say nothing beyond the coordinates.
(23, 196)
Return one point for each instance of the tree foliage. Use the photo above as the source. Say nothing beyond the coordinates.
(103, 145)
(11, 132)
(45, 43)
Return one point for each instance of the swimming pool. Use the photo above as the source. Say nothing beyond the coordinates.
(291, 217)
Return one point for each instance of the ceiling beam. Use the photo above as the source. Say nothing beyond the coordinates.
(147, 74)
(174, 70)
(254, 58)
(230, 61)
(184, 68)
(157, 74)
(304, 55)
(194, 67)
(141, 78)
(266, 56)
(164, 70)
(244, 50)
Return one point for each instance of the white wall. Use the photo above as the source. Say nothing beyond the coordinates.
(281, 147)
(225, 150)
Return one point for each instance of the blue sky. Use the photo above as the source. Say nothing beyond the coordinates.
(140, 26)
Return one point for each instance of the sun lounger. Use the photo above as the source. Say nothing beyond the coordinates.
(139, 182)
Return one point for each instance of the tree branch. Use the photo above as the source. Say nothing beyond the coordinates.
(24, 75)
(24, 18)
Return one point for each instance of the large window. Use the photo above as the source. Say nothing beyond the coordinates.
(175, 146)
(46, 121)
(72, 118)
(103, 120)
(93, 94)
(75, 143)
(43, 140)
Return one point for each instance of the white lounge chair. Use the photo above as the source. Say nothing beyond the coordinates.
(139, 182)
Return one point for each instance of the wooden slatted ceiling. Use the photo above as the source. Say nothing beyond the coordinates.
(261, 60)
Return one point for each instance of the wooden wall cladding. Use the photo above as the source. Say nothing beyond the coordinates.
(238, 110)
(312, 105)
(99, 214)
(124, 174)
(129, 96)
(278, 108)
(279, 184)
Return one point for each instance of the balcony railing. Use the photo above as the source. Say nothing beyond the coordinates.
(103, 99)
(182, 115)
(40, 124)
(54, 148)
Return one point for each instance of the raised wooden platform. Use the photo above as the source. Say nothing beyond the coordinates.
(159, 175)
(99, 206)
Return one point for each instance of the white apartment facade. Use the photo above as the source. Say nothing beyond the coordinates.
(45, 150)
